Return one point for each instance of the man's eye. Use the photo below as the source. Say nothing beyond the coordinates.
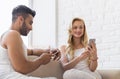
(30, 23)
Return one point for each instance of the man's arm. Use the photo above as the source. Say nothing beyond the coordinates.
(14, 45)
(37, 52)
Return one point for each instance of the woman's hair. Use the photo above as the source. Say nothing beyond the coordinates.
(83, 39)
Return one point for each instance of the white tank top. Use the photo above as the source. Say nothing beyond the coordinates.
(5, 64)
(82, 65)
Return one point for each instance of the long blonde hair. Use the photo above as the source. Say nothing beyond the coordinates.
(83, 39)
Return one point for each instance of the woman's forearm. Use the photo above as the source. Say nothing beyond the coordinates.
(93, 65)
(71, 63)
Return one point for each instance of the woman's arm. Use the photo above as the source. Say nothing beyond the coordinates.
(93, 64)
(70, 64)
(93, 57)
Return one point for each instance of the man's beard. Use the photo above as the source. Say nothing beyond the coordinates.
(23, 30)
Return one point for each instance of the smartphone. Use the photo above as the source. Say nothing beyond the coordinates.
(90, 41)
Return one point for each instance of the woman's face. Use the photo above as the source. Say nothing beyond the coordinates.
(77, 29)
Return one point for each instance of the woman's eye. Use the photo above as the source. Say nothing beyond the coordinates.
(81, 27)
(75, 27)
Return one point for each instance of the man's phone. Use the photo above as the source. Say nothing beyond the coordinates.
(90, 41)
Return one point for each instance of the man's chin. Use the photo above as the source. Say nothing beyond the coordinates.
(24, 34)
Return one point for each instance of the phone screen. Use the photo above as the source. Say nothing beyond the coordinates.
(91, 40)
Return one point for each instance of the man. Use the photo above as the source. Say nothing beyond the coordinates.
(14, 51)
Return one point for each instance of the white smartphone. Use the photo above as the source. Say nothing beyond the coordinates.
(91, 40)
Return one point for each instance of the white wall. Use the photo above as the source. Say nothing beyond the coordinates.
(102, 18)
(6, 7)
(44, 27)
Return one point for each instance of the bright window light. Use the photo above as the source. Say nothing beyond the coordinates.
(6, 7)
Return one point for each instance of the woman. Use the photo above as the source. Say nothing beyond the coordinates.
(79, 60)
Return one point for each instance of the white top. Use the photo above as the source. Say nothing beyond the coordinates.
(81, 70)
(82, 65)
(5, 61)
(6, 69)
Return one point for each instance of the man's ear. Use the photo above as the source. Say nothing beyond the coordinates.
(21, 20)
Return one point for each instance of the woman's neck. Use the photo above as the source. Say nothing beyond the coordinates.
(77, 44)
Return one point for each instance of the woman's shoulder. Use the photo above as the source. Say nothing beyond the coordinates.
(63, 48)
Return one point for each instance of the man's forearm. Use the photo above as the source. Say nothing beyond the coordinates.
(37, 52)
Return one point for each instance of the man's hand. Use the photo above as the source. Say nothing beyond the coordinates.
(56, 54)
(45, 57)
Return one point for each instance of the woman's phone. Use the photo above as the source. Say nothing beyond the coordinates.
(90, 41)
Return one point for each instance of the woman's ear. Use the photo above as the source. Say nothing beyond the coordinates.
(70, 32)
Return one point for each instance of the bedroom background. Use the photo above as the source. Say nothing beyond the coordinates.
(102, 18)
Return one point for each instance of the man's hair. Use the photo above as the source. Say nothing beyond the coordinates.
(22, 10)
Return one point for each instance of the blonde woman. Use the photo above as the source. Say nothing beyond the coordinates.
(79, 60)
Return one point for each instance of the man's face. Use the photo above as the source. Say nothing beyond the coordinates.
(26, 26)
(23, 30)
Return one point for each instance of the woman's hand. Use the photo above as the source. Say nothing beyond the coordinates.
(93, 51)
(93, 56)
(84, 55)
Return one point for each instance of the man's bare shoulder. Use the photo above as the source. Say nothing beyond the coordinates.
(13, 33)
(9, 37)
